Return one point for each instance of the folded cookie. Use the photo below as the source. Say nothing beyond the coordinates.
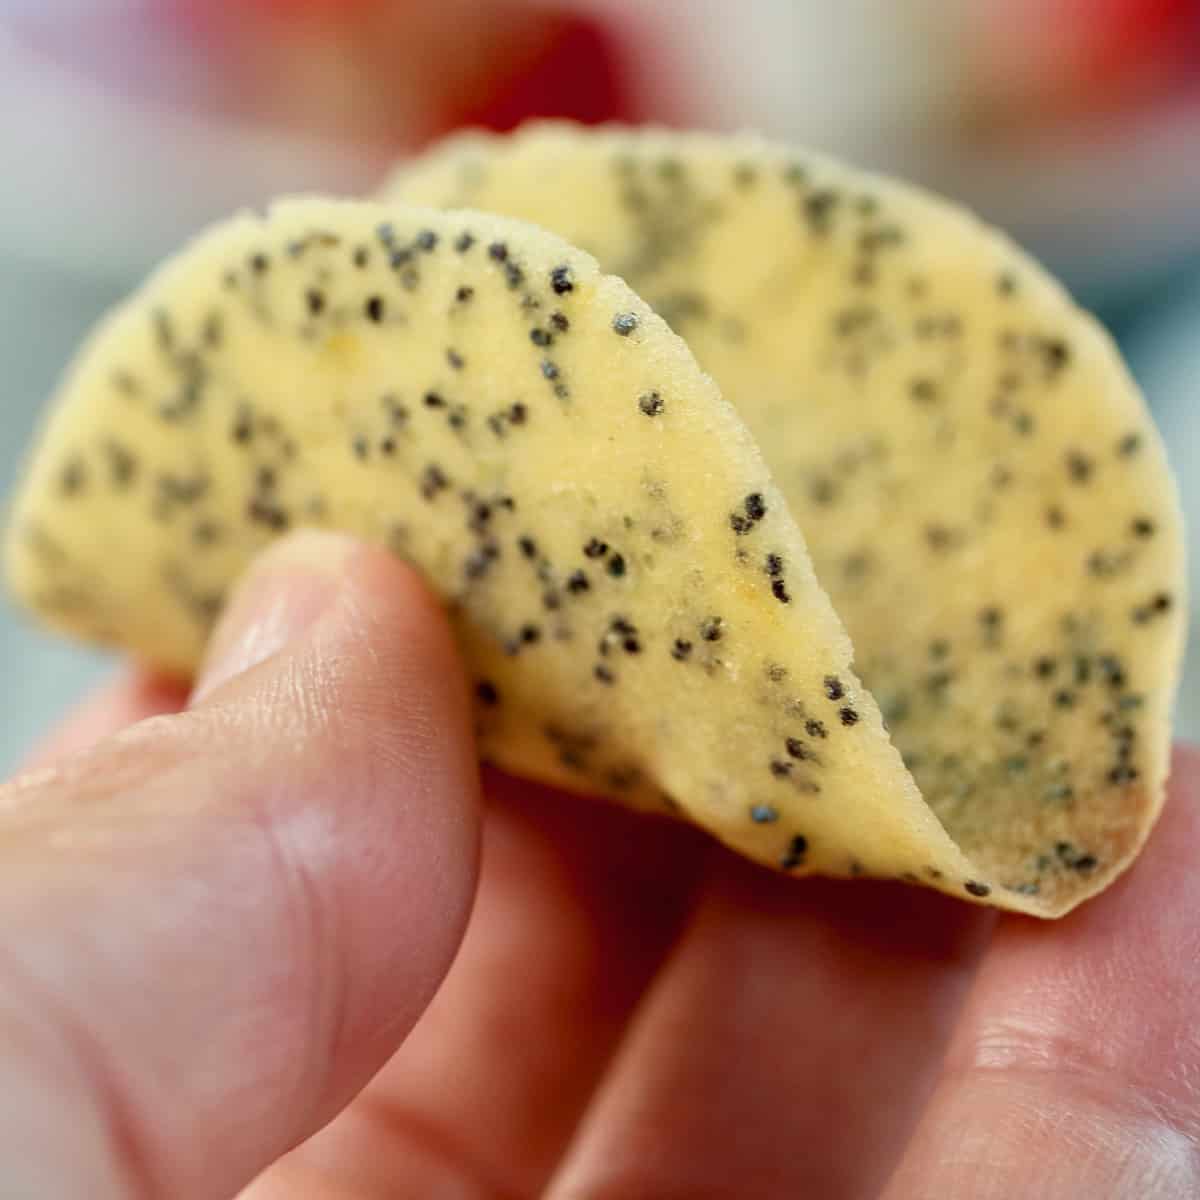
(982, 495)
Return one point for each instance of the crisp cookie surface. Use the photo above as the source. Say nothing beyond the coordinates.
(635, 601)
(981, 488)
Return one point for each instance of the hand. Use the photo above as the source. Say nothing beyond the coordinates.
(221, 929)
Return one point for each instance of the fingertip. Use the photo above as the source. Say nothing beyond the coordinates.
(402, 617)
(282, 592)
(383, 665)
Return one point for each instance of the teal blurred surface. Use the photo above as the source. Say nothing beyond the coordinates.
(1162, 342)
(43, 315)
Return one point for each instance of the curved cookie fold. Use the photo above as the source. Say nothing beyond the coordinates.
(634, 600)
(982, 490)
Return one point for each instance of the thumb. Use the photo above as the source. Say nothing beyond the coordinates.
(216, 926)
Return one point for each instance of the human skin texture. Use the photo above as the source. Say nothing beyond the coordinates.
(225, 917)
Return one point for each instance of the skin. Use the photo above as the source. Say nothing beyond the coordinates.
(228, 922)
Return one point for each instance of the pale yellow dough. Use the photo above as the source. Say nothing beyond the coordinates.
(982, 490)
(983, 494)
(264, 380)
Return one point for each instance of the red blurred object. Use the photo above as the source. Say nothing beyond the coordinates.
(311, 6)
(1043, 61)
(401, 72)
(575, 72)
(1126, 40)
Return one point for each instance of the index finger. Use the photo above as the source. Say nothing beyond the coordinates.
(787, 1045)
(1073, 1071)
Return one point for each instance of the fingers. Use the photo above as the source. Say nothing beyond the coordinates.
(578, 903)
(133, 696)
(1074, 1071)
(785, 1048)
(218, 925)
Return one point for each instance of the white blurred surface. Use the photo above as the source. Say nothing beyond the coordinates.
(108, 185)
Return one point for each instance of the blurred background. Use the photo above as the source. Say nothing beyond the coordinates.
(127, 124)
